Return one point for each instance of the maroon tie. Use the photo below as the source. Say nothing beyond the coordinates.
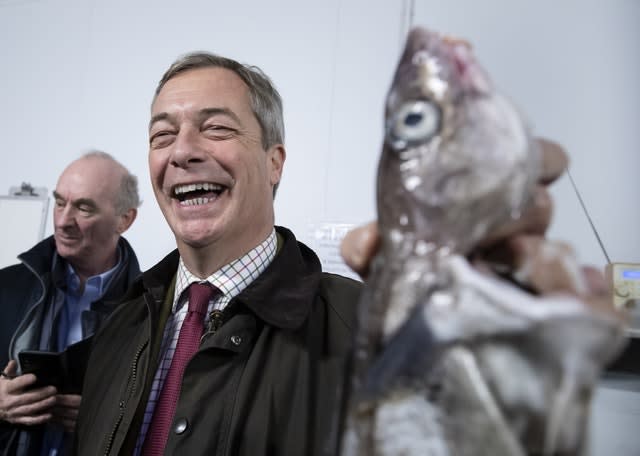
(188, 343)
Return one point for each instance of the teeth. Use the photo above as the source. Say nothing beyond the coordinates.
(195, 201)
(206, 186)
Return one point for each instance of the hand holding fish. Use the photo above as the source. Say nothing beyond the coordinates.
(451, 357)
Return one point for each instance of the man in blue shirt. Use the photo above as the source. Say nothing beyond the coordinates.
(60, 293)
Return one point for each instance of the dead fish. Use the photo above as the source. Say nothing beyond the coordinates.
(449, 361)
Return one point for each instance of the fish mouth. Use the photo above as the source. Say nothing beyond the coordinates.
(196, 193)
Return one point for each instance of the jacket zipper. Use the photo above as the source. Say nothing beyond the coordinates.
(213, 323)
(31, 309)
(123, 403)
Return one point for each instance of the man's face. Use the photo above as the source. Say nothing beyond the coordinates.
(211, 176)
(86, 227)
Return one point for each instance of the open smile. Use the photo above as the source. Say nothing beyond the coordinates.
(197, 193)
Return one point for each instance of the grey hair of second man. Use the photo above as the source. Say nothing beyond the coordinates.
(266, 102)
(127, 196)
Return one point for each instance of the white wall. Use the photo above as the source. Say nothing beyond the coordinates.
(78, 74)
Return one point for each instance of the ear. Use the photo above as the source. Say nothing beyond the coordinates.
(276, 156)
(126, 220)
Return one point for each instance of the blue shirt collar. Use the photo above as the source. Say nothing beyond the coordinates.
(99, 282)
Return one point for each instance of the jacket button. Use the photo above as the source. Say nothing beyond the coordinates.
(236, 340)
(180, 426)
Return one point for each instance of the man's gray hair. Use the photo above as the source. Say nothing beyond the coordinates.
(127, 196)
(266, 102)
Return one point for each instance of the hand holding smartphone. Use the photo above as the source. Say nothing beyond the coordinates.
(46, 366)
(64, 370)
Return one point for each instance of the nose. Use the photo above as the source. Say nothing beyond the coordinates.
(187, 149)
(65, 216)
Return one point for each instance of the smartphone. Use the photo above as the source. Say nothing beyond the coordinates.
(46, 366)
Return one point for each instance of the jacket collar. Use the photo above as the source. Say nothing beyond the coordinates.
(282, 295)
(40, 257)
(126, 274)
(43, 260)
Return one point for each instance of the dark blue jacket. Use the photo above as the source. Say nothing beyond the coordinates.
(27, 289)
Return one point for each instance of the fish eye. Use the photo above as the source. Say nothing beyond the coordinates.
(415, 121)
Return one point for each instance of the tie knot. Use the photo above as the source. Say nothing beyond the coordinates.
(199, 296)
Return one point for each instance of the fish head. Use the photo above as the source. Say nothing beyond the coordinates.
(458, 159)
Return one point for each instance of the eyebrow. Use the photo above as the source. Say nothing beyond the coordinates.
(78, 202)
(158, 117)
(209, 112)
(85, 201)
(202, 114)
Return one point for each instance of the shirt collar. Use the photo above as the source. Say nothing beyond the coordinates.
(99, 281)
(232, 278)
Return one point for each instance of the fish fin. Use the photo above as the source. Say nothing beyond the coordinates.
(406, 358)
